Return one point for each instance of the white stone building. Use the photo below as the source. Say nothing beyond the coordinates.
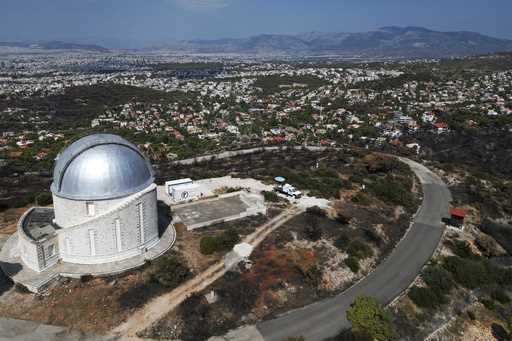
(105, 207)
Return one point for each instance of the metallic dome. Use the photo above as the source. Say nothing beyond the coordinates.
(100, 167)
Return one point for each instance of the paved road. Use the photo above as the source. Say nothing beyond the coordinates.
(233, 153)
(19, 330)
(327, 318)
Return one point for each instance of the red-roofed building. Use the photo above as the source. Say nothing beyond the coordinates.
(457, 216)
(441, 127)
(458, 212)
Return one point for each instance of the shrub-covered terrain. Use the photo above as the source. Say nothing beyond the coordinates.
(316, 254)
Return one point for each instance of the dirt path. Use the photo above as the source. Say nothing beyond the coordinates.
(159, 306)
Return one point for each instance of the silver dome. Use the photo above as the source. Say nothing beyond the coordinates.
(100, 167)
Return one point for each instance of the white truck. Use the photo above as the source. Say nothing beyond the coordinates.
(289, 190)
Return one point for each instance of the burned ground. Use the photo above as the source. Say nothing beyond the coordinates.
(96, 304)
(305, 260)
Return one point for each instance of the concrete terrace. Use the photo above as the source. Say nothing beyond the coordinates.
(223, 208)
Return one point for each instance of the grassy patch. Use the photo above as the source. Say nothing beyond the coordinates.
(223, 242)
(271, 196)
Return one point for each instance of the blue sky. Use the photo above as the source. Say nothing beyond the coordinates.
(146, 22)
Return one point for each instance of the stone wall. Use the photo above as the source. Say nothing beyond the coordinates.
(34, 253)
(45, 259)
(28, 252)
(73, 212)
(98, 241)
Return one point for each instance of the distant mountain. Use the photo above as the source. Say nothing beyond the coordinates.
(384, 42)
(54, 45)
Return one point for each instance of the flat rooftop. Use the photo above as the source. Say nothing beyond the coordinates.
(38, 224)
(203, 212)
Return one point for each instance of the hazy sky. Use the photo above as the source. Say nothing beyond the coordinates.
(145, 22)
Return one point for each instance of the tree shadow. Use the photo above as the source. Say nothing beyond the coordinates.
(5, 282)
(499, 332)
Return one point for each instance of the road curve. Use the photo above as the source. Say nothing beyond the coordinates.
(326, 318)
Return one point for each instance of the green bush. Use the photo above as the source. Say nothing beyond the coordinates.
(438, 279)
(353, 264)
(500, 296)
(44, 199)
(369, 317)
(489, 304)
(208, 245)
(462, 249)
(342, 242)
(170, 272)
(503, 276)
(468, 273)
(424, 297)
(392, 190)
(271, 196)
(223, 242)
(228, 239)
(359, 250)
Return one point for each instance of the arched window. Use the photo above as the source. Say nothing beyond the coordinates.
(90, 209)
(92, 242)
(140, 209)
(118, 235)
(68, 245)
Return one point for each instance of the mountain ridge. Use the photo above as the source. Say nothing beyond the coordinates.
(388, 41)
(55, 45)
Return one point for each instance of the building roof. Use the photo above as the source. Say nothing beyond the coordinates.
(178, 182)
(38, 224)
(458, 212)
(100, 167)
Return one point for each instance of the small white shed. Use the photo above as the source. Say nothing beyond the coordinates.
(183, 190)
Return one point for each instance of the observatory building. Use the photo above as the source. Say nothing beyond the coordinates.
(105, 211)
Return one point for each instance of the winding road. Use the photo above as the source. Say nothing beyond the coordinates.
(326, 318)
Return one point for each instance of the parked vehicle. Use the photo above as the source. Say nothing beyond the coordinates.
(289, 190)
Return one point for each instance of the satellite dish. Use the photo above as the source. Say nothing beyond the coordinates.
(279, 179)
